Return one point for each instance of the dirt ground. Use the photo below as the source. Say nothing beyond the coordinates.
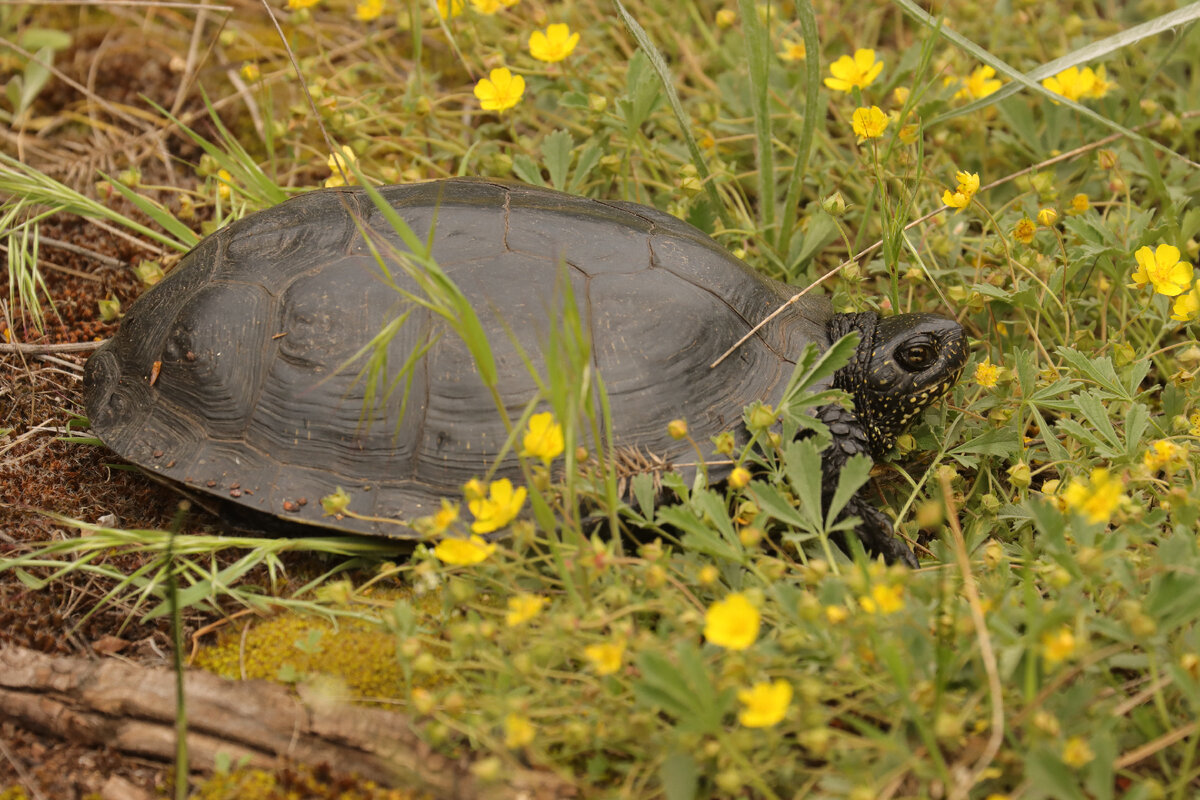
(40, 393)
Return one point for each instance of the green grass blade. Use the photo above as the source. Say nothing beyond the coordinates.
(808, 128)
(758, 55)
(685, 123)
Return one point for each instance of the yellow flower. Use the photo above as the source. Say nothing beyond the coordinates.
(1077, 752)
(296, 5)
(883, 600)
(732, 623)
(968, 185)
(553, 45)
(726, 17)
(1101, 85)
(518, 731)
(1162, 268)
(449, 8)
(1194, 420)
(544, 439)
(1187, 305)
(1072, 83)
(499, 508)
(224, 184)
(605, 657)
(1058, 645)
(1024, 230)
(677, 428)
(987, 374)
(909, 133)
(869, 123)
(489, 7)
(1097, 499)
(368, 10)
(836, 614)
(707, 575)
(1079, 204)
(1046, 217)
(765, 704)
(501, 90)
(901, 94)
(463, 552)
(739, 478)
(860, 71)
(339, 164)
(250, 72)
(978, 84)
(437, 524)
(522, 608)
(1164, 455)
(793, 50)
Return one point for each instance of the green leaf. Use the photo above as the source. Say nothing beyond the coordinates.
(685, 123)
(556, 153)
(527, 170)
(589, 157)
(47, 38)
(1098, 370)
(802, 465)
(680, 776)
(812, 368)
(852, 478)
(1044, 769)
(772, 501)
(994, 442)
(758, 59)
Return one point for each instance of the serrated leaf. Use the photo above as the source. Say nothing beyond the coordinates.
(772, 501)
(1094, 411)
(802, 465)
(556, 153)
(1098, 370)
(643, 493)
(813, 368)
(994, 442)
(854, 474)
(527, 170)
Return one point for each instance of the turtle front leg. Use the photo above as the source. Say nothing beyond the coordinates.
(874, 528)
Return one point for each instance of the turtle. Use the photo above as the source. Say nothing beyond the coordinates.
(229, 376)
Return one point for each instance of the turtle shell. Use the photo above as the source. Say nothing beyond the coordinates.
(230, 375)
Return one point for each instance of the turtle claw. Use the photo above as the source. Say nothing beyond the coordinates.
(877, 535)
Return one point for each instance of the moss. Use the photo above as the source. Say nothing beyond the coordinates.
(13, 793)
(298, 782)
(359, 654)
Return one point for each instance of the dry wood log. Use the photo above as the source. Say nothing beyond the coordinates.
(131, 708)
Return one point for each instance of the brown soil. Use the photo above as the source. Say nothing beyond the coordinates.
(73, 135)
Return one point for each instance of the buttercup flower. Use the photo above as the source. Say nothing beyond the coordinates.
(438, 523)
(1187, 305)
(1079, 204)
(500, 91)
(1164, 455)
(553, 45)
(1162, 267)
(250, 72)
(1024, 230)
(490, 7)
(793, 50)
(1098, 498)
(765, 704)
(499, 508)
(968, 185)
(463, 552)
(1074, 83)
(544, 439)
(449, 8)
(339, 165)
(523, 608)
(1058, 645)
(732, 623)
(987, 374)
(368, 10)
(518, 731)
(1046, 217)
(1077, 752)
(979, 84)
(869, 123)
(883, 600)
(848, 72)
(605, 657)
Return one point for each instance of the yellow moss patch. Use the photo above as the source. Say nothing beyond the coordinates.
(361, 655)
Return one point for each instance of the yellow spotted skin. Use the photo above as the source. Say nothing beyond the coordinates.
(902, 365)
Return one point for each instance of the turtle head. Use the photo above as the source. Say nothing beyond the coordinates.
(903, 364)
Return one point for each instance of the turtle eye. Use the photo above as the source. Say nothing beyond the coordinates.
(916, 356)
